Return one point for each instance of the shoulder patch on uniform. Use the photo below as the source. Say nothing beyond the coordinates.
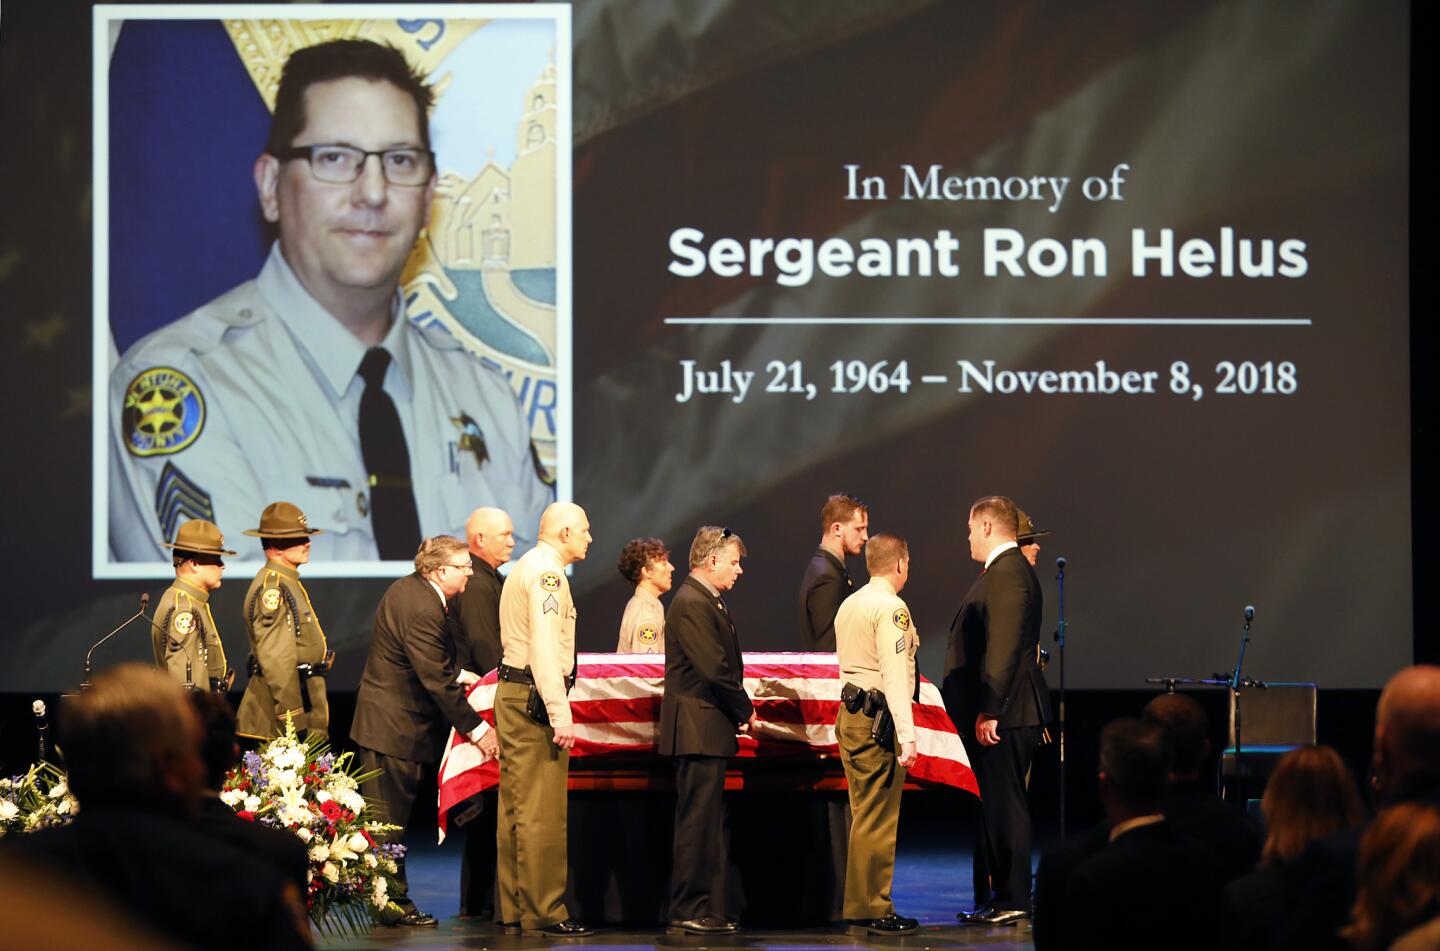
(551, 606)
(270, 600)
(550, 581)
(901, 617)
(162, 412)
(648, 634)
(177, 499)
(184, 622)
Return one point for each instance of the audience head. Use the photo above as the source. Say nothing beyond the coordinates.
(1184, 720)
(1397, 876)
(132, 740)
(1135, 761)
(1310, 795)
(1407, 733)
(219, 749)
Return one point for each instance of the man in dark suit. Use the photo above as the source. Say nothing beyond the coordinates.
(997, 697)
(491, 536)
(704, 706)
(844, 527)
(132, 749)
(1148, 886)
(409, 695)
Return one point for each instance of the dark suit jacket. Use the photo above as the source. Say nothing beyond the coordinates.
(408, 696)
(168, 875)
(1149, 888)
(1057, 863)
(825, 586)
(990, 666)
(477, 620)
(1220, 827)
(283, 851)
(705, 697)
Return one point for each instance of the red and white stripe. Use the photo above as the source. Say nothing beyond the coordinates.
(616, 709)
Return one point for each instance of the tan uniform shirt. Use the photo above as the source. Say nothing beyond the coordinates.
(537, 626)
(183, 630)
(875, 642)
(284, 632)
(642, 626)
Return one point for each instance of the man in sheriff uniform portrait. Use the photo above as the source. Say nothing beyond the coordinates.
(309, 383)
(186, 641)
(875, 642)
(288, 659)
(536, 732)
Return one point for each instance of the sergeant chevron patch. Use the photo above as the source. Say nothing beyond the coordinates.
(177, 498)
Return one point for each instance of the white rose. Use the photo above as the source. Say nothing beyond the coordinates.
(331, 872)
(322, 797)
(358, 842)
(232, 797)
(319, 852)
(252, 803)
(8, 810)
(304, 834)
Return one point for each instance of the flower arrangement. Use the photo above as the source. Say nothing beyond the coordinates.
(301, 786)
(38, 800)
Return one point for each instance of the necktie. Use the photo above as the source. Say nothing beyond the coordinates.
(387, 462)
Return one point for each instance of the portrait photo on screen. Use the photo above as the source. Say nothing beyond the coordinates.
(332, 269)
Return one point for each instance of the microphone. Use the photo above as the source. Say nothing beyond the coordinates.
(1249, 612)
(1060, 563)
(144, 603)
(41, 725)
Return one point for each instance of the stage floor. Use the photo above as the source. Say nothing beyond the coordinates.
(930, 886)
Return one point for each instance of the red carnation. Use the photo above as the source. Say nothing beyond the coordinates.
(246, 814)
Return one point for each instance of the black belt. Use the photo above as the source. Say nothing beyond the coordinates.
(305, 671)
(515, 675)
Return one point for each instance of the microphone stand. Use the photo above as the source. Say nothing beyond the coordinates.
(1235, 685)
(1060, 642)
(144, 603)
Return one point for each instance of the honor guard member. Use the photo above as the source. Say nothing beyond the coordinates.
(645, 563)
(288, 660)
(1027, 537)
(876, 640)
(187, 643)
(536, 733)
(311, 382)
(844, 526)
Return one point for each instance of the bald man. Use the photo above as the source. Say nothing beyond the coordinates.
(491, 537)
(532, 716)
(1405, 767)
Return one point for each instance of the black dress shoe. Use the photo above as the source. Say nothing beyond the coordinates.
(569, 928)
(890, 924)
(417, 919)
(998, 917)
(708, 924)
(976, 913)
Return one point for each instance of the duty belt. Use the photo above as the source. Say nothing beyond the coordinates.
(304, 670)
(516, 675)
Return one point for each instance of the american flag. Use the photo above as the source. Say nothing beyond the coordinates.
(616, 708)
